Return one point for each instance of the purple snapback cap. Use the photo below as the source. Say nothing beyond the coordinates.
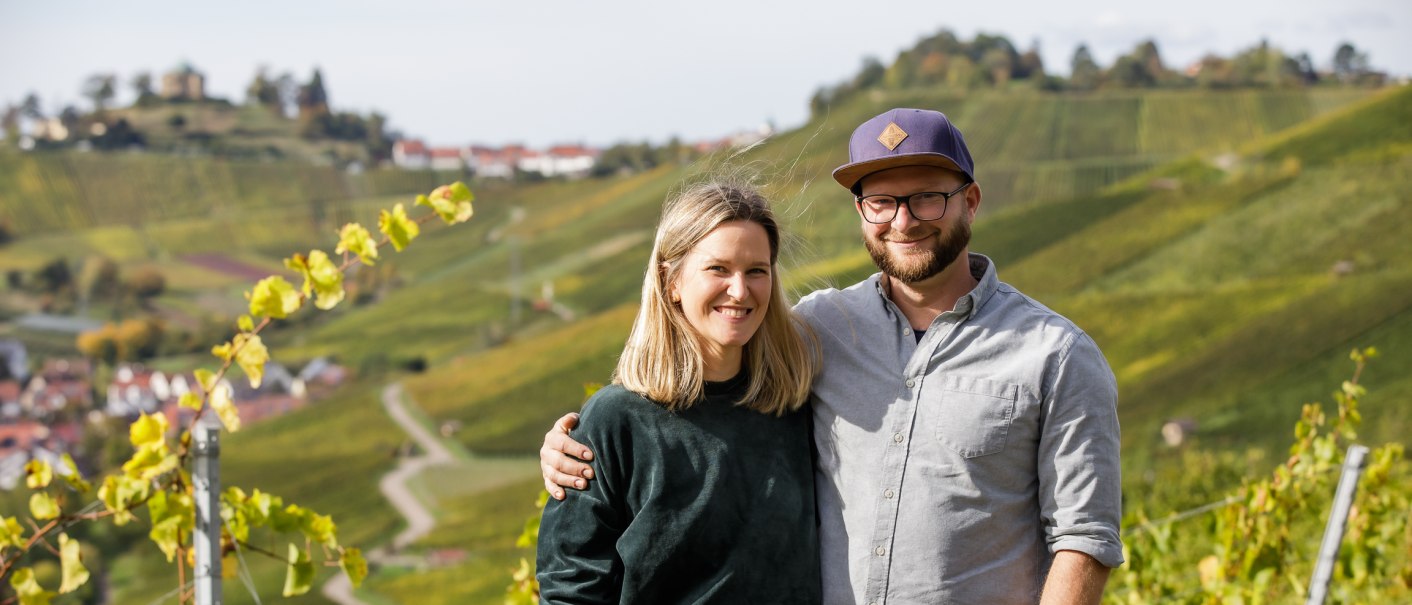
(904, 137)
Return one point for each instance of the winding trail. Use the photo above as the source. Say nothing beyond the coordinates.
(393, 485)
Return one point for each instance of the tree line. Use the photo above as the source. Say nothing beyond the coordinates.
(306, 103)
(992, 61)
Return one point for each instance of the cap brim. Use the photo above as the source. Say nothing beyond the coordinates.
(848, 175)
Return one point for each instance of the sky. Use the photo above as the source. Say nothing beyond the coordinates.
(600, 71)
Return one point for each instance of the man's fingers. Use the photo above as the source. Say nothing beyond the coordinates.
(567, 422)
(562, 443)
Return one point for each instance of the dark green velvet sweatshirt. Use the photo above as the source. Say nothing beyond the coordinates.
(712, 504)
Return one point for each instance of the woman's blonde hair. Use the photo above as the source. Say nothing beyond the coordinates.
(663, 360)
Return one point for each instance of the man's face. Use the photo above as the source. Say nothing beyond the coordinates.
(911, 250)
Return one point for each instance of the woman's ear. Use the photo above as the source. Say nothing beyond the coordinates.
(673, 294)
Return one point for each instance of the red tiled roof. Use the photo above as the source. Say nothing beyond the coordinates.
(411, 147)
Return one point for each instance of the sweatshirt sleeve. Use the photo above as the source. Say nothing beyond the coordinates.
(577, 559)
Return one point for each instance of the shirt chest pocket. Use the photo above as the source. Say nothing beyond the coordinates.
(972, 416)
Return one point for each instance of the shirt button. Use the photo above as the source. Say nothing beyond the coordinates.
(911, 383)
(880, 551)
(897, 437)
(906, 331)
(888, 494)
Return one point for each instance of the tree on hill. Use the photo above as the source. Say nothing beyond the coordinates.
(100, 88)
(265, 92)
(142, 86)
(31, 107)
(1141, 68)
(1349, 63)
(1084, 72)
(312, 98)
(10, 122)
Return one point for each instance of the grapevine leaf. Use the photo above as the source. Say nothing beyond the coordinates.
(224, 351)
(319, 528)
(71, 559)
(28, 589)
(286, 519)
(119, 492)
(190, 400)
(148, 429)
(38, 474)
(225, 408)
(321, 277)
(397, 227)
(42, 506)
(12, 534)
(245, 323)
(251, 357)
(451, 202)
(69, 472)
(274, 297)
(300, 575)
(354, 565)
(355, 238)
(166, 535)
(150, 462)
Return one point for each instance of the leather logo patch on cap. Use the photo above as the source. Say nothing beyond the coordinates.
(892, 136)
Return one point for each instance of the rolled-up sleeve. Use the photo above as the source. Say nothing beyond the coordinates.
(1080, 480)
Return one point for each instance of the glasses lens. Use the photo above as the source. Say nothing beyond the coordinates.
(928, 206)
(878, 208)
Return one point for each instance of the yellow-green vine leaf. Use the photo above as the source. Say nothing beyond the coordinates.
(28, 589)
(355, 238)
(319, 528)
(321, 277)
(354, 565)
(225, 408)
(119, 492)
(205, 378)
(300, 574)
(166, 536)
(12, 534)
(190, 400)
(38, 474)
(252, 357)
(274, 297)
(69, 472)
(397, 227)
(42, 506)
(451, 202)
(71, 561)
(148, 429)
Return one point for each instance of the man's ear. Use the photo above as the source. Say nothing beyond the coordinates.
(973, 199)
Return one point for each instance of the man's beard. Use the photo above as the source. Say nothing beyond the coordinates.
(923, 264)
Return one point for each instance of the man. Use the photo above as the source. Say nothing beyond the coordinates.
(967, 436)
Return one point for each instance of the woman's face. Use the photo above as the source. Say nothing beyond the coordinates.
(724, 289)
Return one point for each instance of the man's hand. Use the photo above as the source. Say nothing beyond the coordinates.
(561, 459)
(1074, 579)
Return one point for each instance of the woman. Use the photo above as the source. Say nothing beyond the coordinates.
(704, 489)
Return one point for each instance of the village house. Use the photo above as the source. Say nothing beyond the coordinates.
(410, 154)
(447, 159)
(62, 384)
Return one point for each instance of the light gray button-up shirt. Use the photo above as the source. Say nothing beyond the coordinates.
(952, 469)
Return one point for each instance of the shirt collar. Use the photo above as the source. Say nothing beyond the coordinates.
(987, 282)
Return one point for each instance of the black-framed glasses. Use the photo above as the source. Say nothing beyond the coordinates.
(923, 206)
